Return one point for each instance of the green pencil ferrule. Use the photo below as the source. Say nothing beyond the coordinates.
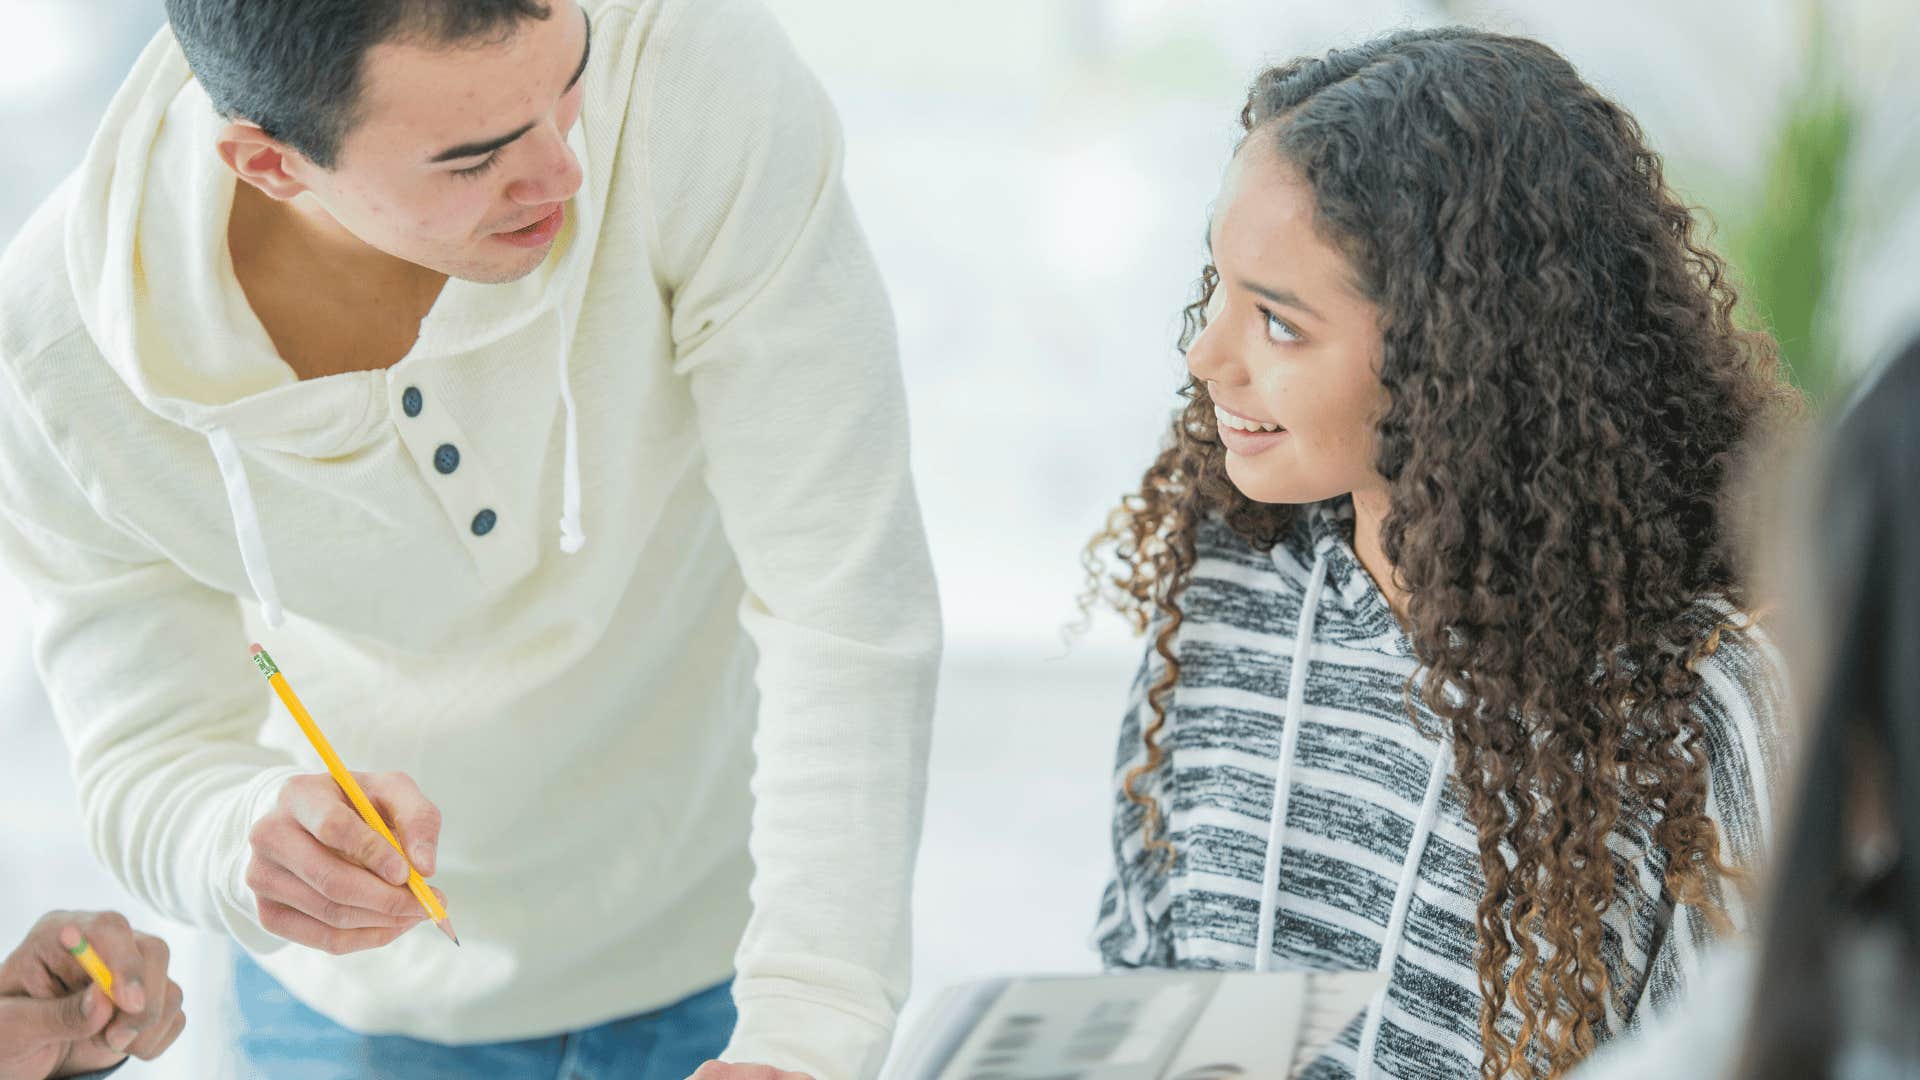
(265, 663)
(80, 948)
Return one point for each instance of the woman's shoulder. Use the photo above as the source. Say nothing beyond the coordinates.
(1741, 712)
(1743, 678)
(1736, 649)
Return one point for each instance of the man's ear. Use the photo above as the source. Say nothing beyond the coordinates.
(262, 160)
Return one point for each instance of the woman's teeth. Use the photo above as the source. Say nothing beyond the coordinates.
(1227, 419)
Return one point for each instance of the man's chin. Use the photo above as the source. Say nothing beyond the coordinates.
(501, 271)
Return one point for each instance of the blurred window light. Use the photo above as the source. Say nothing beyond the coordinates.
(1098, 200)
(41, 51)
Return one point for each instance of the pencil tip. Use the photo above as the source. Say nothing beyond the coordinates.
(446, 927)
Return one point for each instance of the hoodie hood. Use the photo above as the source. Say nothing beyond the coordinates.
(151, 272)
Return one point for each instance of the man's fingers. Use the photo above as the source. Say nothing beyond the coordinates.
(153, 980)
(49, 970)
(303, 929)
(121, 1033)
(163, 1029)
(338, 825)
(172, 1034)
(415, 820)
(341, 880)
(272, 881)
(326, 879)
(64, 1019)
(318, 806)
(112, 938)
(721, 1070)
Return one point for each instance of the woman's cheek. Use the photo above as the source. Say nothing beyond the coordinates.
(1359, 431)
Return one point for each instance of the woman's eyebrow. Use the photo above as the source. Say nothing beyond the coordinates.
(1281, 297)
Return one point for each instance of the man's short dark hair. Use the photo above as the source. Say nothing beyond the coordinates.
(295, 67)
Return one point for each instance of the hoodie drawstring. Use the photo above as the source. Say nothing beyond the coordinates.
(1403, 900)
(1282, 784)
(572, 536)
(246, 525)
(1276, 827)
(246, 515)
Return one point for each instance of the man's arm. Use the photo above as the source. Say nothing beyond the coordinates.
(147, 671)
(131, 650)
(783, 330)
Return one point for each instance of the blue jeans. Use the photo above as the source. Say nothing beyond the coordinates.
(277, 1038)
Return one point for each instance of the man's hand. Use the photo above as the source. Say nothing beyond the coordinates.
(323, 878)
(720, 1070)
(55, 1022)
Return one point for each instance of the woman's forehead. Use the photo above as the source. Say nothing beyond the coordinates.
(1264, 224)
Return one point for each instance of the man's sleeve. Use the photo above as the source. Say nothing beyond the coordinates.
(148, 675)
(783, 330)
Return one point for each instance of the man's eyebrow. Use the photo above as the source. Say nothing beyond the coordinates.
(586, 51)
(488, 146)
(475, 149)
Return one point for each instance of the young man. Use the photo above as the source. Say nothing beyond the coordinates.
(517, 373)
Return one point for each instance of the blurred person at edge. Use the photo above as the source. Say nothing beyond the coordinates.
(1829, 987)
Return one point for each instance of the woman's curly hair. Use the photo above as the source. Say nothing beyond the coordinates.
(1568, 401)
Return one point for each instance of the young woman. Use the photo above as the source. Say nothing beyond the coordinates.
(1450, 673)
(1833, 985)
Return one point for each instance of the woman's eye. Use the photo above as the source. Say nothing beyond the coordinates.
(1277, 328)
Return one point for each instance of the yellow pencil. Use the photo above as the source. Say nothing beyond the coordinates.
(348, 784)
(90, 960)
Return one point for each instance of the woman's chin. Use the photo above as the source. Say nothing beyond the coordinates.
(1263, 482)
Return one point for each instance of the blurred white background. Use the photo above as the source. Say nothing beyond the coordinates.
(1034, 176)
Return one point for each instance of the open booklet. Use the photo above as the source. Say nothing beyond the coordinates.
(1162, 1025)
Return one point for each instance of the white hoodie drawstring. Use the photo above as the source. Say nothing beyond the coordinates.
(1282, 784)
(1403, 900)
(246, 525)
(253, 544)
(246, 515)
(1276, 826)
(572, 536)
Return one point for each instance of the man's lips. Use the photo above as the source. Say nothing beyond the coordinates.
(532, 221)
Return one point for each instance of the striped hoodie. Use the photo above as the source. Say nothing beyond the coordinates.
(1317, 828)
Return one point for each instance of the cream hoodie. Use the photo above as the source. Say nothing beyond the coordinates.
(753, 583)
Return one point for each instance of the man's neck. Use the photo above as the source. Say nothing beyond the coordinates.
(330, 302)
